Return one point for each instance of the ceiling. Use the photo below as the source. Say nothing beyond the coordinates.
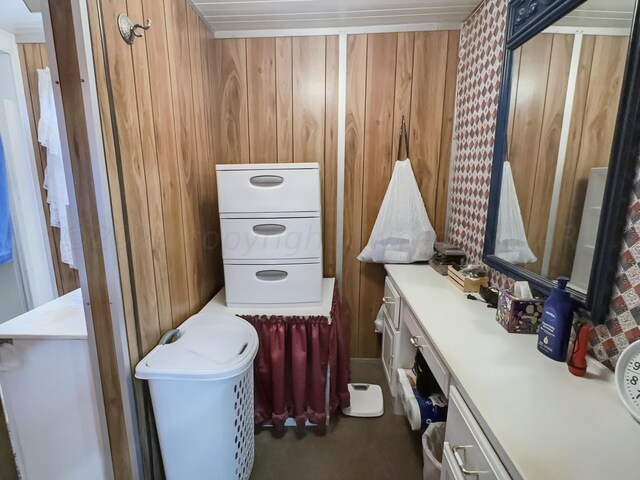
(602, 14)
(227, 16)
(18, 20)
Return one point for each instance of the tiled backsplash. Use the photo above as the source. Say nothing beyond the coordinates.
(479, 74)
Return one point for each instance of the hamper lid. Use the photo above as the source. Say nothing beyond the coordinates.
(208, 346)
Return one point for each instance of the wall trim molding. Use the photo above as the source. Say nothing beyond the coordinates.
(342, 118)
(309, 32)
(614, 32)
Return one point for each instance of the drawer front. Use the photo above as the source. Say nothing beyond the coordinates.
(271, 238)
(246, 191)
(390, 338)
(467, 449)
(273, 284)
(420, 340)
(391, 301)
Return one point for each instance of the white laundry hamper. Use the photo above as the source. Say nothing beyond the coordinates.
(201, 382)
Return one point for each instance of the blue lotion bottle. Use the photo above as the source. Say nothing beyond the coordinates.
(557, 318)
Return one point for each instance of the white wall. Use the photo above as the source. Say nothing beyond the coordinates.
(32, 256)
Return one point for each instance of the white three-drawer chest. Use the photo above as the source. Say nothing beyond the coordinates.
(271, 233)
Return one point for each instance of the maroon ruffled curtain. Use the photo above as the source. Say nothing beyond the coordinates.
(291, 366)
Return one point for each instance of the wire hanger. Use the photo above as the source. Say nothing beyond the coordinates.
(403, 134)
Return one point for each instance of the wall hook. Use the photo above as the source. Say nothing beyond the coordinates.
(128, 29)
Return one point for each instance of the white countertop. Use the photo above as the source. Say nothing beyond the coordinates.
(62, 318)
(219, 304)
(551, 424)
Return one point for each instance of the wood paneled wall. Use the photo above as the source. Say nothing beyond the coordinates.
(390, 75)
(164, 158)
(156, 99)
(276, 100)
(593, 122)
(33, 56)
(540, 86)
(71, 75)
(541, 75)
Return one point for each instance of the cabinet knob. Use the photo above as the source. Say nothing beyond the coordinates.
(414, 342)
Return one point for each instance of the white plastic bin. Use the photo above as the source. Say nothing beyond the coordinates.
(201, 382)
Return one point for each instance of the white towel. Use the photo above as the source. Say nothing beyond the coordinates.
(54, 179)
(511, 239)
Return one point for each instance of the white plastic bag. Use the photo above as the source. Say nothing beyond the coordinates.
(402, 232)
(432, 445)
(378, 323)
(511, 239)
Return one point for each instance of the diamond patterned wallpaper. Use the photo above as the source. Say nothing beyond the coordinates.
(479, 71)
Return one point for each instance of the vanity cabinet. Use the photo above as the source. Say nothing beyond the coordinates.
(418, 339)
(467, 452)
(513, 413)
(391, 359)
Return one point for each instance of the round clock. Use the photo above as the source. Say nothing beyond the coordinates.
(628, 378)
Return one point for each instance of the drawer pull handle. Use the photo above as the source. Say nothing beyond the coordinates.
(266, 180)
(271, 275)
(269, 229)
(388, 300)
(414, 342)
(456, 453)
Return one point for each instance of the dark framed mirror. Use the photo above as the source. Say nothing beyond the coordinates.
(567, 146)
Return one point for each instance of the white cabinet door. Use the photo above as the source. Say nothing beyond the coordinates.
(391, 301)
(450, 468)
(473, 455)
(389, 347)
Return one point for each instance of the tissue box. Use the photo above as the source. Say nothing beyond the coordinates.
(518, 316)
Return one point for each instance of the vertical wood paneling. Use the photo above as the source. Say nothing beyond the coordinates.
(556, 93)
(284, 100)
(515, 77)
(72, 101)
(427, 110)
(330, 174)
(131, 164)
(598, 124)
(403, 82)
(209, 194)
(378, 162)
(354, 166)
(286, 91)
(152, 180)
(207, 280)
(534, 71)
(389, 75)
(33, 56)
(118, 212)
(179, 61)
(234, 137)
(261, 84)
(168, 169)
(439, 222)
(308, 99)
(558, 261)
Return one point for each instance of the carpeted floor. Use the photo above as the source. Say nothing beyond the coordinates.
(353, 448)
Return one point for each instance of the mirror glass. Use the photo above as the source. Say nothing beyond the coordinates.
(565, 91)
